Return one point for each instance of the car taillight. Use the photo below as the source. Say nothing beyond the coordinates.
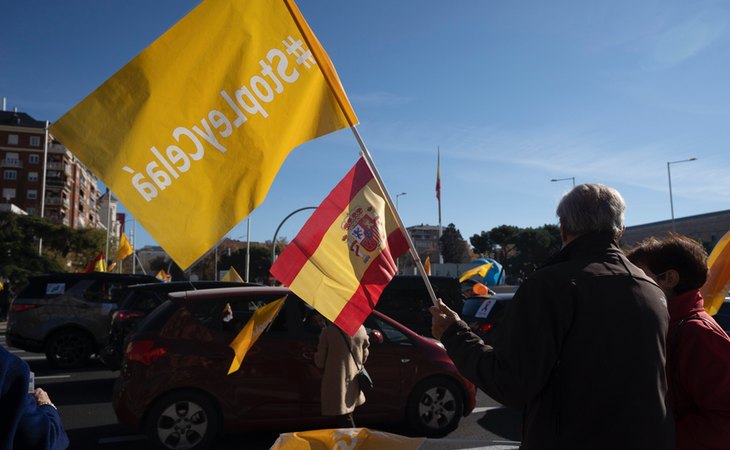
(123, 315)
(144, 352)
(23, 307)
(483, 328)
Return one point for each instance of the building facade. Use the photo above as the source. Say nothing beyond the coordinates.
(71, 193)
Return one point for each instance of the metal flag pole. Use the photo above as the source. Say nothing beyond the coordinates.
(248, 246)
(43, 185)
(108, 222)
(389, 201)
(438, 184)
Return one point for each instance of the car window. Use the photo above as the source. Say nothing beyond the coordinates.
(144, 300)
(390, 333)
(99, 291)
(723, 316)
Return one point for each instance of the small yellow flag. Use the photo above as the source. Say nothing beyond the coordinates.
(427, 265)
(718, 283)
(250, 333)
(203, 119)
(478, 270)
(124, 248)
(232, 275)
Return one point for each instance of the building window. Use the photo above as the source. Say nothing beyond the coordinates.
(34, 159)
(8, 194)
(13, 139)
(32, 176)
(32, 194)
(35, 141)
(10, 175)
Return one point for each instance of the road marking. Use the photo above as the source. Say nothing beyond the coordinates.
(51, 377)
(486, 408)
(114, 440)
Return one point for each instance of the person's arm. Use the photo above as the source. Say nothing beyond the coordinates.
(702, 371)
(40, 426)
(526, 348)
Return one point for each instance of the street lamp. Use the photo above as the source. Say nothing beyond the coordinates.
(669, 176)
(397, 196)
(564, 179)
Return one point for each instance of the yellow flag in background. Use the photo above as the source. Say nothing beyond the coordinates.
(478, 270)
(718, 283)
(427, 265)
(232, 275)
(191, 133)
(164, 276)
(124, 248)
(250, 333)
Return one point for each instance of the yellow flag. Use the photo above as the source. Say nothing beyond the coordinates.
(250, 333)
(232, 275)
(718, 283)
(478, 270)
(427, 265)
(124, 248)
(162, 275)
(355, 438)
(203, 119)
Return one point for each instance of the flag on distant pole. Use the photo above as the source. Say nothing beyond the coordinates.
(718, 283)
(203, 119)
(427, 265)
(345, 254)
(481, 270)
(97, 265)
(163, 276)
(232, 275)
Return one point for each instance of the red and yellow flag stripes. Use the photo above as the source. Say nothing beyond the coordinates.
(345, 254)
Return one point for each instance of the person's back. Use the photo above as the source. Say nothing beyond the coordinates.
(582, 347)
(600, 383)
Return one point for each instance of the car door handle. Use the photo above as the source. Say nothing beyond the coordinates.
(405, 360)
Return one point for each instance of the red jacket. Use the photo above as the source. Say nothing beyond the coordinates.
(698, 367)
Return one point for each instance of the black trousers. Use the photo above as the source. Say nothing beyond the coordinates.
(345, 421)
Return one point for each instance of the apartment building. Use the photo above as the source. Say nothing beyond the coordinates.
(71, 193)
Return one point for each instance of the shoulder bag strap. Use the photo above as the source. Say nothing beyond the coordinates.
(347, 344)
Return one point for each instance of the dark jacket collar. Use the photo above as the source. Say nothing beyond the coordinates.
(585, 245)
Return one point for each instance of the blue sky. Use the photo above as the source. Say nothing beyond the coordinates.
(513, 93)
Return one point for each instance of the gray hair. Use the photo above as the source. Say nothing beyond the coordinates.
(591, 207)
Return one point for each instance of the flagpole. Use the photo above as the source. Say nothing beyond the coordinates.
(43, 186)
(389, 201)
(438, 179)
(108, 221)
(248, 246)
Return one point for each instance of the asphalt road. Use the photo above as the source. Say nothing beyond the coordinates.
(83, 398)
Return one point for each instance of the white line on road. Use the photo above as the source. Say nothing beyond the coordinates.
(51, 377)
(114, 440)
(486, 408)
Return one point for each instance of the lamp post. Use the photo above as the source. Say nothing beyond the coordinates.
(669, 176)
(397, 196)
(276, 233)
(564, 179)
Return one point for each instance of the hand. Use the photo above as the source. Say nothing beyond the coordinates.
(442, 318)
(41, 396)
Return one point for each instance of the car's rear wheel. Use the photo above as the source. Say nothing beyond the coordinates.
(69, 349)
(183, 420)
(435, 407)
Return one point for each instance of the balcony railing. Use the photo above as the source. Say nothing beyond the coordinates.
(11, 163)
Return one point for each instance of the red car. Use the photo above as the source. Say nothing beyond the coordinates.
(173, 383)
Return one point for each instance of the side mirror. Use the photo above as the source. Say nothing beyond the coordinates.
(376, 337)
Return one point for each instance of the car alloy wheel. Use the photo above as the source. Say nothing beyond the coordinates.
(183, 420)
(68, 349)
(435, 407)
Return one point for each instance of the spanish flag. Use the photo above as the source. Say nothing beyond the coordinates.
(203, 119)
(97, 265)
(345, 254)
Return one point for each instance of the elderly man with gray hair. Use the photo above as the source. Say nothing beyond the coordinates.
(581, 349)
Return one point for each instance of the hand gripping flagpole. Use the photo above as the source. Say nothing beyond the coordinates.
(389, 201)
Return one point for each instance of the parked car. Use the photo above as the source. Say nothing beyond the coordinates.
(67, 315)
(484, 313)
(174, 384)
(406, 300)
(139, 300)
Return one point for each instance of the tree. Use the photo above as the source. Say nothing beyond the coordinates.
(454, 248)
(503, 238)
(533, 246)
(482, 244)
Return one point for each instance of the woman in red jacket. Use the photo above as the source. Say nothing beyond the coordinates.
(698, 350)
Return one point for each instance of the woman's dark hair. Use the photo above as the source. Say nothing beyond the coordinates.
(685, 255)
